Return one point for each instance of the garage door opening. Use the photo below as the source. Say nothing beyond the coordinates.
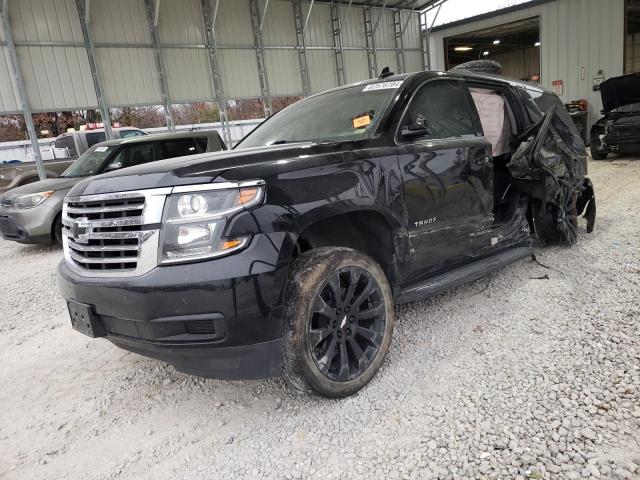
(632, 37)
(515, 45)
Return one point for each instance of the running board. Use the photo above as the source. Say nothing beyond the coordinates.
(462, 275)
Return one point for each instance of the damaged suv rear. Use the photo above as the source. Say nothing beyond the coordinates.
(618, 131)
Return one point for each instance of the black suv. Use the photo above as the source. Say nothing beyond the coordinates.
(618, 130)
(287, 254)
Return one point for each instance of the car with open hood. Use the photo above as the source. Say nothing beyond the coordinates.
(32, 213)
(287, 254)
(618, 130)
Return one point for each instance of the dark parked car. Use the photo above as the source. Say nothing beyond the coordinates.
(75, 143)
(287, 254)
(618, 131)
(33, 213)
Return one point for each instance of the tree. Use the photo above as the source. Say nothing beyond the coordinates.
(195, 113)
(141, 117)
(12, 128)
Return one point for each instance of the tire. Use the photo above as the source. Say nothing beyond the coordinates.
(482, 66)
(331, 346)
(57, 230)
(595, 154)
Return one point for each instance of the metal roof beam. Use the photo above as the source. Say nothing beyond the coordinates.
(83, 14)
(306, 20)
(14, 66)
(346, 13)
(302, 51)
(262, 71)
(384, 6)
(399, 43)
(211, 45)
(264, 14)
(337, 42)
(152, 17)
(370, 42)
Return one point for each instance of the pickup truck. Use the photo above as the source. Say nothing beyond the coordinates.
(76, 143)
(287, 254)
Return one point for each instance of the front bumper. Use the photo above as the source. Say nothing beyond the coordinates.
(220, 318)
(13, 227)
(28, 225)
(622, 144)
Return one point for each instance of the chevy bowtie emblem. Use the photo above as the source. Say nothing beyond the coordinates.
(80, 230)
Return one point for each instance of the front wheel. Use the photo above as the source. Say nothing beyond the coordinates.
(339, 315)
(57, 230)
(596, 154)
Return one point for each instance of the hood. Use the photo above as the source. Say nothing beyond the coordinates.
(43, 185)
(228, 165)
(619, 91)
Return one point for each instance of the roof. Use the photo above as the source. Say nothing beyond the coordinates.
(494, 13)
(159, 136)
(401, 4)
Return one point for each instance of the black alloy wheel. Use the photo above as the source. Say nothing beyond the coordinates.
(338, 321)
(347, 324)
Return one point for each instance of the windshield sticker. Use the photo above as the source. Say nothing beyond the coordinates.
(102, 149)
(382, 85)
(362, 120)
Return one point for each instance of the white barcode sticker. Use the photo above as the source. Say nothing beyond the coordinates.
(382, 85)
(102, 149)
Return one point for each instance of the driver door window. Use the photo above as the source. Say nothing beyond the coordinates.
(442, 108)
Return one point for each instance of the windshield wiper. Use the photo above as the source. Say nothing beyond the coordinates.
(280, 142)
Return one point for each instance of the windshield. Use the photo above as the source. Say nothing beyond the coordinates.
(346, 114)
(90, 162)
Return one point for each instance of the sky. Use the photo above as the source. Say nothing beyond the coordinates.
(453, 10)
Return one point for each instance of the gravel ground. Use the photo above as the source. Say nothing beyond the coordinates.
(532, 372)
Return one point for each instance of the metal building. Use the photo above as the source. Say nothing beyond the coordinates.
(580, 43)
(58, 55)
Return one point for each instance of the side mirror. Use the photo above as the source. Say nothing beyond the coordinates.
(419, 128)
(113, 166)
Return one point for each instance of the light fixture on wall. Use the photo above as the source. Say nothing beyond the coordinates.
(485, 53)
(463, 49)
(496, 42)
(537, 44)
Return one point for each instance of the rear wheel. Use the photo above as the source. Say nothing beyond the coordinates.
(339, 316)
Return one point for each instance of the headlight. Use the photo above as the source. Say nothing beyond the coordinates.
(193, 222)
(32, 200)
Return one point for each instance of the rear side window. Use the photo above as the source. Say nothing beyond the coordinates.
(68, 143)
(444, 104)
(202, 143)
(132, 155)
(130, 133)
(178, 148)
(95, 137)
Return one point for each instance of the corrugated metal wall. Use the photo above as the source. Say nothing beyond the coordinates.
(519, 64)
(632, 61)
(578, 38)
(40, 29)
(55, 67)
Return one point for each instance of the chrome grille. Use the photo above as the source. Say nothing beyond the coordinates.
(113, 234)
